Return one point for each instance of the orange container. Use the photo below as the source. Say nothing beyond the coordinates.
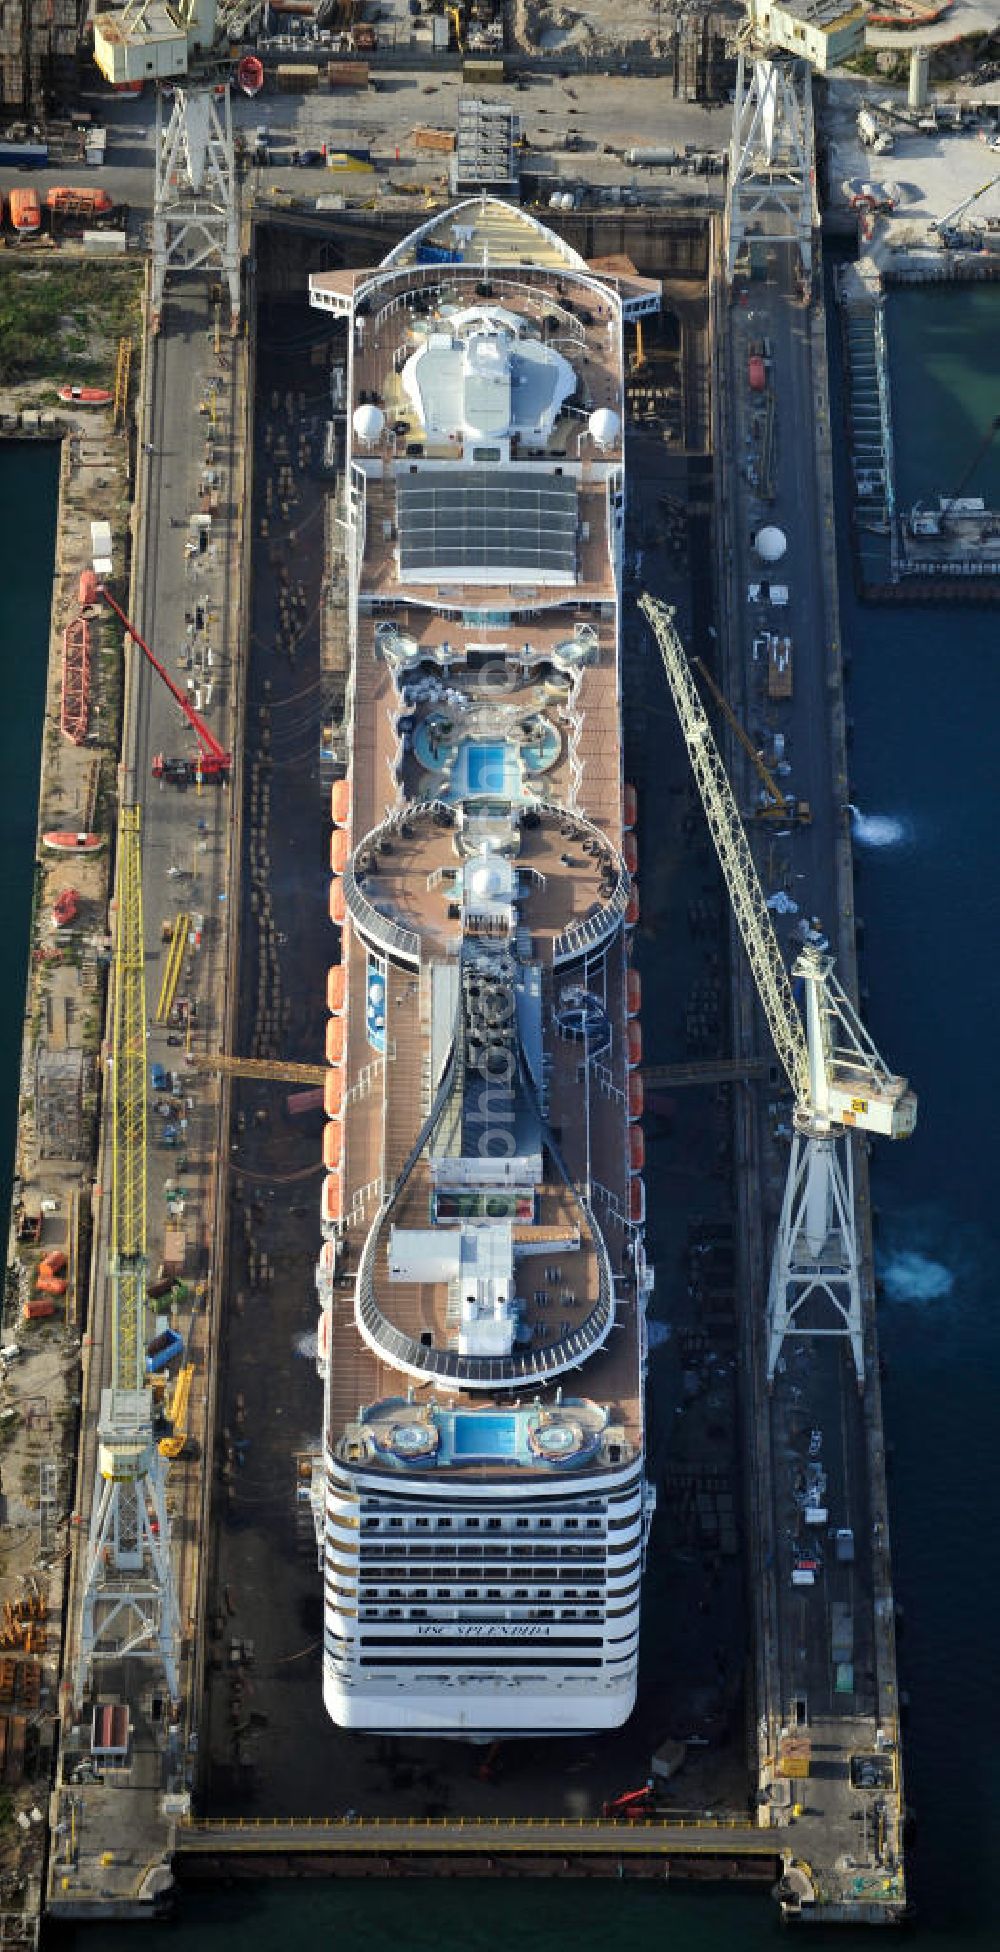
(336, 980)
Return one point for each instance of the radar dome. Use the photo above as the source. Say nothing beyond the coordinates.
(368, 422)
(603, 426)
(770, 545)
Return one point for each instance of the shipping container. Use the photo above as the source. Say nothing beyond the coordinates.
(297, 77)
(24, 155)
(347, 74)
(490, 71)
(442, 140)
(757, 373)
(39, 1308)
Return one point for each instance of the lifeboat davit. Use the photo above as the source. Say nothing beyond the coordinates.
(630, 852)
(633, 992)
(340, 848)
(333, 1197)
(333, 1094)
(333, 1143)
(64, 908)
(630, 806)
(338, 903)
(335, 1040)
(636, 1200)
(634, 1043)
(340, 802)
(636, 1098)
(250, 75)
(636, 1148)
(632, 911)
(335, 986)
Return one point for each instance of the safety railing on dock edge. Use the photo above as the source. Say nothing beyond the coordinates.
(587, 1826)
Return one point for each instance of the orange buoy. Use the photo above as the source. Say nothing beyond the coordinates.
(336, 983)
(340, 848)
(333, 1094)
(338, 903)
(333, 1196)
(636, 1098)
(333, 1142)
(636, 1148)
(632, 911)
(335, 1040)
(633, 992)
(636, 1199)
(634, 1043)
(340, 802)
(630, 852)
(630, 806)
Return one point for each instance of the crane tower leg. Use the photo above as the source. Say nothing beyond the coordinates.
(815, 1287)
(195, 214)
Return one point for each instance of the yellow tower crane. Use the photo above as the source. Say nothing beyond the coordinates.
(129, 1605)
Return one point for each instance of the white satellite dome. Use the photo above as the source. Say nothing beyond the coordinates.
(770, 544)
(368, 422)
(603, 426)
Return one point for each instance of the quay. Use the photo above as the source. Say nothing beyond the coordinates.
(815, 1810)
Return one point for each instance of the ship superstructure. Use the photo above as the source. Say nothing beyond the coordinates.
(483, 1510)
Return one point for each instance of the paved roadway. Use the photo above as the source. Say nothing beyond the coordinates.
(184, 868)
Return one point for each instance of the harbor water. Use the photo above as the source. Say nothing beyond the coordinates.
(924, 698)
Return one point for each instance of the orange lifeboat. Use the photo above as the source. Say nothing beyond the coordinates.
(634, 1043)
(335, 1040)
(630, 806)
(333, 1197)
(636, 1098)
(338, 903)
(333, 1094)
(633, 992)
(636, 1148)
(340, 848)
(636, 1200)
(632, 911)
(336, 984)
(333, 1143)
(630, 852)
(340, 802)
(327, 1257)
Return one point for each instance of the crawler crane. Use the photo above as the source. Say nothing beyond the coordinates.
(839, 1081)
(129, 1601)
(776, 805)
(212, 761)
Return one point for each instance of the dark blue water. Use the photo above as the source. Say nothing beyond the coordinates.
(925, 699)
(29, 477)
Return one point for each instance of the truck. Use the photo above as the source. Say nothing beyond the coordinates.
(24, 155)
(779, 667)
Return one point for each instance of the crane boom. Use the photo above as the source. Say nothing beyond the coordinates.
(213, 759)
(731, 845)
(779, 806)
(281, 1070)
(128, 1184)
(959, 209)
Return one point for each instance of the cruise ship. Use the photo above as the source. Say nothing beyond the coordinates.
(482, 1510)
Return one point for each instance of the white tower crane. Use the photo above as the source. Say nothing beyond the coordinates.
(195, 207)
(838, 1078)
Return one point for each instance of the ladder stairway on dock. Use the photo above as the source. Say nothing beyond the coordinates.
(872, 462)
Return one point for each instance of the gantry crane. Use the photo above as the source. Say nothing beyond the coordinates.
(195, 212)
(212, 761)
(839, 1081)
(129, 1602)
(778, 805)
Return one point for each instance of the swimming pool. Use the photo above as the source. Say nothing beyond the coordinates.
(484, 1436)
(492, 769)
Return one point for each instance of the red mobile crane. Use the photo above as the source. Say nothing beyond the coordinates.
(213, 761)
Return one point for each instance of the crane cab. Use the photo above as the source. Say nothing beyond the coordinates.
(888, 1108)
